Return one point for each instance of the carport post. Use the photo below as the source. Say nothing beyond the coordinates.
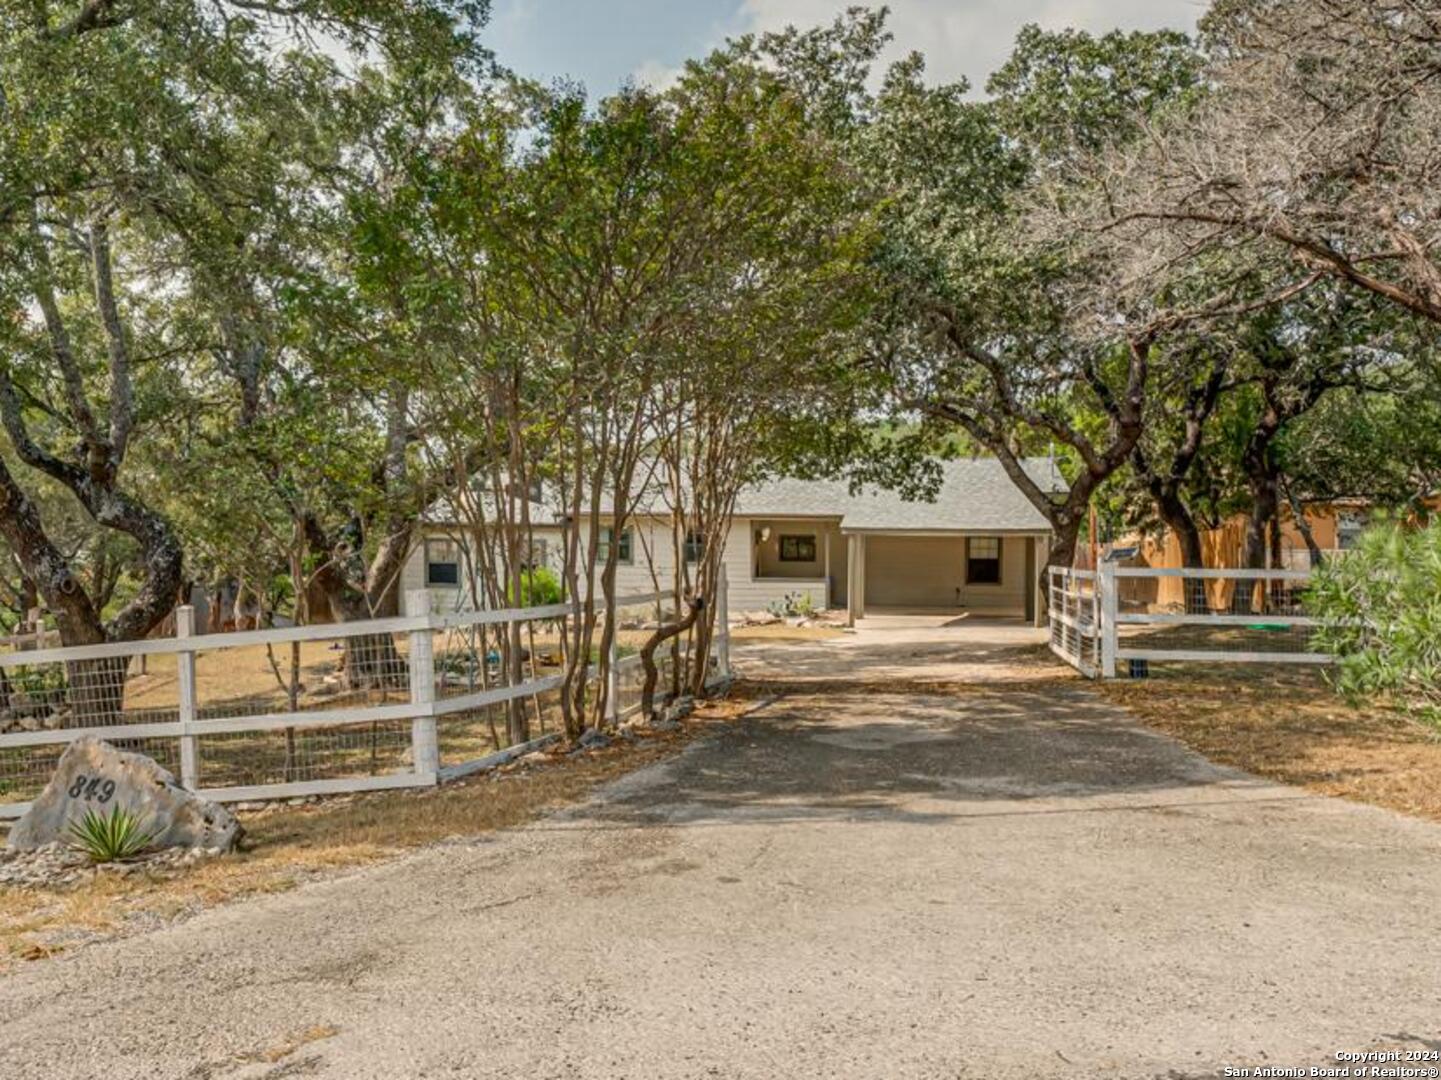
(1106, 586)
(855, 583)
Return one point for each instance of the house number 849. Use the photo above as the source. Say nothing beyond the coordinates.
(92, 787)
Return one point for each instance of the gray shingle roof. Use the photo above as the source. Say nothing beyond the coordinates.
(975, 495)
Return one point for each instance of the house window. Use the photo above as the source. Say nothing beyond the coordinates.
(983, 560)
(623, 548)
(694, 547)
(1349, 527)
(539, 554)
(798, 549)
(442, 564)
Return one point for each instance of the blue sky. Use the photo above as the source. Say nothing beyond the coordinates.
(602, 42)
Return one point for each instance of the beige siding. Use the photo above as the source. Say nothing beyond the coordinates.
(930, 572)
(458, 598)
(652, 543)
(902, 571)
(914, 571)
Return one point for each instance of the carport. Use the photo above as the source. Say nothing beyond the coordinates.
(989, 573)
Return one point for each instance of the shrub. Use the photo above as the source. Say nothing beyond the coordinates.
(1380, 612)
(539, 586)
(110, 837)
(794, 603)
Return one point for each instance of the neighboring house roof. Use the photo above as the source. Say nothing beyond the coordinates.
(975, 495)
(444, 512)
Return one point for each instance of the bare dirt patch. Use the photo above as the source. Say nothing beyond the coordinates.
(1287, 724)
(288, 845)
(778, 632)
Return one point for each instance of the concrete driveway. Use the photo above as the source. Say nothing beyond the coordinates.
(1004, 880)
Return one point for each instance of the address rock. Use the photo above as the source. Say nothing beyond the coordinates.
(93, 775)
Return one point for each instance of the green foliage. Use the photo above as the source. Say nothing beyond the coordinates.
(110, 837)
(37, 681)
(1066, 90)
(794, 603)
(539, 586)
(1380, 611)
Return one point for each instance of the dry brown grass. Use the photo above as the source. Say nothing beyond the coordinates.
(291, 844)
(1287, 725)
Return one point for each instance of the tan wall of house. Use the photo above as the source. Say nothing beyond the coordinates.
(651, 546)
(930, 572)
(913, 571)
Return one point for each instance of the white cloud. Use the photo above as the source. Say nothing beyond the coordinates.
(656, 75)
(972, 38)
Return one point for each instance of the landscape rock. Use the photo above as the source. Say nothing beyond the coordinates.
(759, 618)
(58, 866)
(593, 739)
(679, 709)
(93, 775)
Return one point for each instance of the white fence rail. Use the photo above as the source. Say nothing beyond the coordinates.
(399, 702)
(1121, 619)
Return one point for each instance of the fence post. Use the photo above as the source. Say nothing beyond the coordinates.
(1106, 589)
(723, 622)
(424, 748)
(185, 665)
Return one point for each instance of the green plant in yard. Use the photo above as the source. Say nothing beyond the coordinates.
(1380, 614)
(37, 681)
(793, 603)
(110, 837)
(539, 586)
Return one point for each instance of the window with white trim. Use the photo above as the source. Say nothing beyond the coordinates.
(624, 553)
(694, 546)
(442, 564)
(983, 560)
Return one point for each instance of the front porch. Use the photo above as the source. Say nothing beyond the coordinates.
(798, 555)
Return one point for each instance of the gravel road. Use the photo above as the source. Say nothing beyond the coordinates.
(1012, 882)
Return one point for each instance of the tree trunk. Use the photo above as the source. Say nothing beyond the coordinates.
(647, 653)
(371, 661)
(1065, 532)
(1298, 514)
(1178, 518)
(517, 722)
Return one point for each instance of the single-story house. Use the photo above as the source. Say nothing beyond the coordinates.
(978, 547)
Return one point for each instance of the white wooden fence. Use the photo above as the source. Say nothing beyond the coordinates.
(1112, 620)
(1075, 619)
(401, 702)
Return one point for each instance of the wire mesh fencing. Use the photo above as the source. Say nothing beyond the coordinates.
(395, 702)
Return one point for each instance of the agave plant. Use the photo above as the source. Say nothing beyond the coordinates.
(110, 837)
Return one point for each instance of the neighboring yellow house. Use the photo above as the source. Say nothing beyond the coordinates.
(1335, 525)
